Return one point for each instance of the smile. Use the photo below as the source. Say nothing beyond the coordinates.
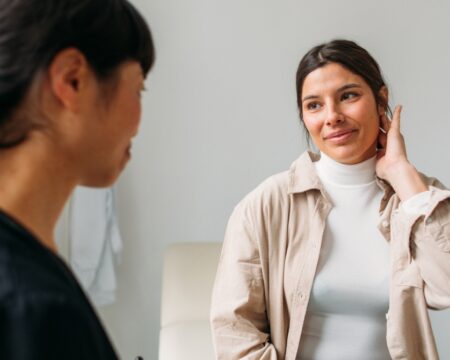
(340, 136)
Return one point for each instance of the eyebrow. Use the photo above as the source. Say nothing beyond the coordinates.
(342, 88)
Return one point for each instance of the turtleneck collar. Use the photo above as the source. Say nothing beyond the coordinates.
(331, 171)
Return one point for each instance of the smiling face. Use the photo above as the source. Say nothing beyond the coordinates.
(341, 113)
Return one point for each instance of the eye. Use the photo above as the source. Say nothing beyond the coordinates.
(349, 95)
(314, 105)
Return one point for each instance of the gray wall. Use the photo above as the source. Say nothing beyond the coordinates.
(220, 116)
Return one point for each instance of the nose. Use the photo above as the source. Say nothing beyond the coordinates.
(333, 115)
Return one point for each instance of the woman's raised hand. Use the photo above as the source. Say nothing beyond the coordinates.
(393, 149)
(392, 161)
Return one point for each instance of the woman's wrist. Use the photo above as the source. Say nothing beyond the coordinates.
(406, 180)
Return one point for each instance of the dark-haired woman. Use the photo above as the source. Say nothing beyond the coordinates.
(341, 256)
(71, 73)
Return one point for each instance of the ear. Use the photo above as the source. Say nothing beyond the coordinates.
(68, 76)
(383, 96)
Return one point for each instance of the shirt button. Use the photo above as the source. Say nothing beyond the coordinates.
(385, 223)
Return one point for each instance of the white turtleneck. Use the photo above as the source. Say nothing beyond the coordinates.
(350, 296)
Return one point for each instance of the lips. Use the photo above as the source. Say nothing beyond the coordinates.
(339, 134)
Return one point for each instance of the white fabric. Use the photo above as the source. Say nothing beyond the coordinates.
(418, 204)
(95, 242)
(350, 296)
(187, 341)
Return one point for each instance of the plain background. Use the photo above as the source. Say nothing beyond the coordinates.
(220, 116)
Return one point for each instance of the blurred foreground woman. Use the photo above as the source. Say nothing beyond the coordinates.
(71, 73)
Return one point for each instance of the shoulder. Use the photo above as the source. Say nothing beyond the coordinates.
(30, 272)
(28, 307)
(35, 299)
(272, 190)
(270, 199)
(432, 181)
(41, 306)
(51, 326)
(31, 289)
(275, 190)
(439, 192)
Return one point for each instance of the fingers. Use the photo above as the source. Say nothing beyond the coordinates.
(395, 123)
(392, 141)
(388, 124)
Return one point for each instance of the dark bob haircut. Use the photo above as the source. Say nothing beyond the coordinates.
(32, 32)
(351, 56)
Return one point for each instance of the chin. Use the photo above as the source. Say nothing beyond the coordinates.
(101, 179)
(105, 176)
(349, 154)
(340, 154)
(99, 183)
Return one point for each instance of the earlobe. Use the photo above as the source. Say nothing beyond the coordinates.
(67, 75)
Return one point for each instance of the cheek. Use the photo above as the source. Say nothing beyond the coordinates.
(313, 125)
(366, 111)
(360, 112)
(372, 121)
(138, 114)
(366, 117)
(132, 112)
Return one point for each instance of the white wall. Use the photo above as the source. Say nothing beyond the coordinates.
(220, 115)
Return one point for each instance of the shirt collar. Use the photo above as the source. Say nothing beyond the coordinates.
(303, 177)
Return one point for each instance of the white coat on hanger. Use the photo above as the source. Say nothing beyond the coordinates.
(95, 244)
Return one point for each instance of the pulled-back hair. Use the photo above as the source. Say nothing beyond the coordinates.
(32, 32)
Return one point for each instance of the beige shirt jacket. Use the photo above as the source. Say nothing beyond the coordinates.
(269, 260)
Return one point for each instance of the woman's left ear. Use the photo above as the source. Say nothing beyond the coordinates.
(68, 76)
(383, 96)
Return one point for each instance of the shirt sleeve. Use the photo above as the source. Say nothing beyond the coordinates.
(48, 328)
(240, 328)
(431, 248)
(418, 204)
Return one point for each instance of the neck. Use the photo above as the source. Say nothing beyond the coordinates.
(342, 174)
(35, 183)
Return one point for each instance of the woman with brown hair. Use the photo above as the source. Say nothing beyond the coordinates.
(71, 73)
(340, 256)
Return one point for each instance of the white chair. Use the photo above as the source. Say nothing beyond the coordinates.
(188, 277)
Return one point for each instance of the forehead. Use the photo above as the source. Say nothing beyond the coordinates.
(330, 78)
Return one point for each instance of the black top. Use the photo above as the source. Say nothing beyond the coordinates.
(44, 314)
